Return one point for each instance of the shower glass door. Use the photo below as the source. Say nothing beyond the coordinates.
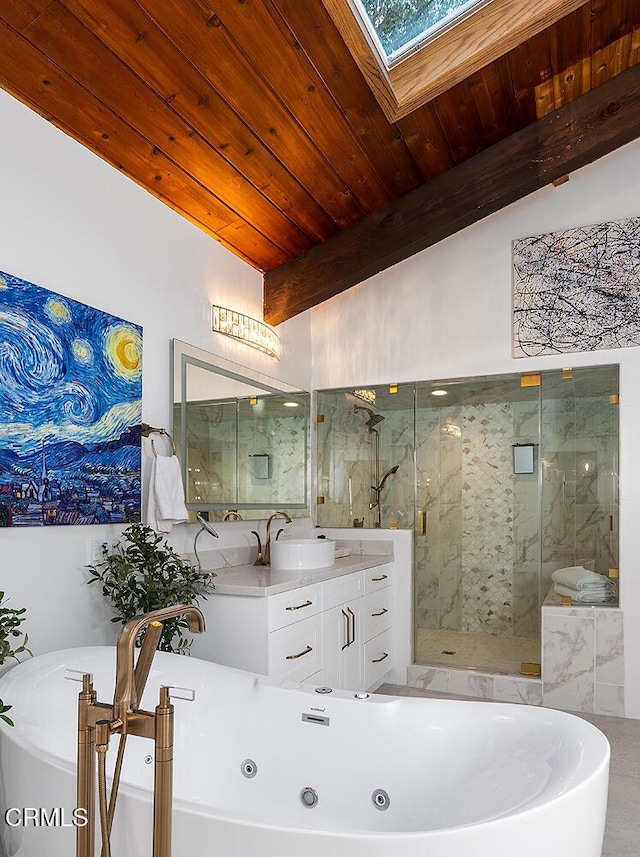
(477, 545)
(579, 496)
(503, 480)
(365, 474)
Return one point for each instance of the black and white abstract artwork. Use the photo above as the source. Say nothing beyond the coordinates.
(577, 290)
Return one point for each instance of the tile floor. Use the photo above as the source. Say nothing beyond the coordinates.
(622, 832)
(492, 652)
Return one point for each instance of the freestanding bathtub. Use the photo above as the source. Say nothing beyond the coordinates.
(281, 770)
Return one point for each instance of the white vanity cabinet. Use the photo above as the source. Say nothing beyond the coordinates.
(377, 616)
(294, 640)
(356, 628)
(335, 632)
(342, 664)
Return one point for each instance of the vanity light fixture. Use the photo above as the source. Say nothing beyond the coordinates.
(245, 329)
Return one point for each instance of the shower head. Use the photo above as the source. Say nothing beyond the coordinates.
(389, 473)
(373, 420)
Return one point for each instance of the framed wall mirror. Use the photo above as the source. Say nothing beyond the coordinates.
(242, 438)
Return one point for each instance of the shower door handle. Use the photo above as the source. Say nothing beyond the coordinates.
(422, 522)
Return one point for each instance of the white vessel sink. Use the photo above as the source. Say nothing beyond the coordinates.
(299, 554)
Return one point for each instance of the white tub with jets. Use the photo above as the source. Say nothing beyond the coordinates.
(282, 770)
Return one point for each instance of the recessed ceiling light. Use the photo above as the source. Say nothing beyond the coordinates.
(291, 404)
(439, 393)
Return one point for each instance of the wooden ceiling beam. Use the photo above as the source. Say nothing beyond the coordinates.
(576, 134)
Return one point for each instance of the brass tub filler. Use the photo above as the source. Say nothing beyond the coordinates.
(98, 721)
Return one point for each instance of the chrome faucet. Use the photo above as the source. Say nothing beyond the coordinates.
(267, 546)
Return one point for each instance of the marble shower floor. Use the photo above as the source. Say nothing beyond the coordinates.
(622, 830)
(487, 652)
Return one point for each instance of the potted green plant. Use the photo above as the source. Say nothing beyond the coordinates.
(13, 642)
(143, 573)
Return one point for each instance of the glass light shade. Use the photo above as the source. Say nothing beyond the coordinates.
(245, 329)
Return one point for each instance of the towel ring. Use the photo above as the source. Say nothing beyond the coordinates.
(147, 430)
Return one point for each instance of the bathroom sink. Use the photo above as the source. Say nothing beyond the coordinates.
(299, 554)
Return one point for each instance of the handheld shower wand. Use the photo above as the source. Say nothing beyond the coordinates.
(205, 526)
(373, 421)
(377, 490)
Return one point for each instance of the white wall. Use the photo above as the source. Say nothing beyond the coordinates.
(446, 313)
(73, 224)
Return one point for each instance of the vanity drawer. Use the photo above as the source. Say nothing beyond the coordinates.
(338, 590)
(285, 608)
(295, 651)
(377, 659)
(376, 613)
(377, 578)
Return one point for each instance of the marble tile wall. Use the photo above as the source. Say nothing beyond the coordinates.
(211, 445)
(346, 465)
(476, 567)
(487, 527)
(579, 488)
(284, 441)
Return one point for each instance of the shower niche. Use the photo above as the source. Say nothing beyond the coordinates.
(502, 479)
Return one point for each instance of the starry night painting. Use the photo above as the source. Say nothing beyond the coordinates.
(70, 410)
(577, 290)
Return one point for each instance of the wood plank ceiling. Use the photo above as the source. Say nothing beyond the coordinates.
(251, 119)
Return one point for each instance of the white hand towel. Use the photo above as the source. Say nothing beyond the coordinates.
(577, 577)
(589, 596)
(165, 498)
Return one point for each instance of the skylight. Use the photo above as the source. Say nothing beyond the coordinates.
(411, 51)
(400, 26)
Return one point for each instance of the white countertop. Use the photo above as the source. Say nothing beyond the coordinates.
(261, 580)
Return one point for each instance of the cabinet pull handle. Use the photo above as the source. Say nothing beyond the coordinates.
(376, 579)
(380, 612)
(377, 660)
(347, 642)
(353, 624)
(300, 654)
(300, 606)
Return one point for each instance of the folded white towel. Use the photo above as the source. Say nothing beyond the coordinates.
(165, 497)
(588, 596)
(577, 577)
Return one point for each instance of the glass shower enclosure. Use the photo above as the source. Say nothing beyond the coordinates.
(503, 479)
